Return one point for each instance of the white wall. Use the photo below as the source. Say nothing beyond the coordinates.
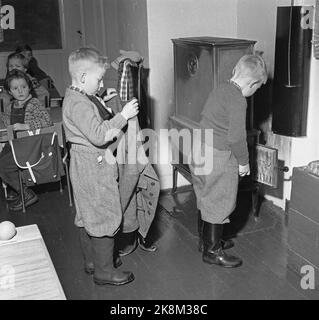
(306, 149)
(168, 19)
(128, 31)
(133, 28)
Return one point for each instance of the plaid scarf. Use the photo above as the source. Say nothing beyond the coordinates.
(125, 80)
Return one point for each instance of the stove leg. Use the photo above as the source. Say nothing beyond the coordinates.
(255, 201)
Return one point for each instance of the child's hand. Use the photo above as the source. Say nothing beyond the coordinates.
(20, 127)
(130, 110)
(244, 170)
(110, 93)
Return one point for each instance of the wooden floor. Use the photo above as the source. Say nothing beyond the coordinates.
(176, 270)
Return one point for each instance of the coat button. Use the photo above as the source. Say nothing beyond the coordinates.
(152, 183)
(151, 194)
(150, 203)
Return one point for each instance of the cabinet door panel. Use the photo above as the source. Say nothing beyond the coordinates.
(193, 80)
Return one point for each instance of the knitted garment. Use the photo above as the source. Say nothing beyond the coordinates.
(125, 81)
(35, 115)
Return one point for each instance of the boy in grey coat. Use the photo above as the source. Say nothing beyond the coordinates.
(94, 179)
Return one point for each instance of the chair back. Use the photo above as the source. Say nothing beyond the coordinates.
(37, 155)
(56, 127)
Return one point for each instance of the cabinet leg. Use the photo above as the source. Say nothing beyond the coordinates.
(255, 201)
(175, 173)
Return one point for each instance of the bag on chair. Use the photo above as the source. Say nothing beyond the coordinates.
(39, 156)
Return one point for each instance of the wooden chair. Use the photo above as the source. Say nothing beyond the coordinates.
(55, 99)
(58, 129)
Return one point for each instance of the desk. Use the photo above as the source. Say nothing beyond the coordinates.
(55, 115)
(26, 260)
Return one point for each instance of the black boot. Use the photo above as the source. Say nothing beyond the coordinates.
(117, 261)
(12, 195)
(126, 243)
(87, 251)
(226, 244)
(29, 199)
(145, 245)
(86, 246)
(104, 271)
(213, 252)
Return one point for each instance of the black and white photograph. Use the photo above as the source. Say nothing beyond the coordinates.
(159, 156)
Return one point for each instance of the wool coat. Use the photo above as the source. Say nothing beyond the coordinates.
(108, 192)
(138, 182)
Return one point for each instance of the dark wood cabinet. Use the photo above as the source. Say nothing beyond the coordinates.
(200, 64)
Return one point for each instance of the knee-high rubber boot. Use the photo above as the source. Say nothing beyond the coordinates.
(213, 252)
(87, 251)
(226, 244)
(104, 272)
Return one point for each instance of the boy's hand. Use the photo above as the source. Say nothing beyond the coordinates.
(244, 170)
(110, 93)
(130, 110)
(20, 127)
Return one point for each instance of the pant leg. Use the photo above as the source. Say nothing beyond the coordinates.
(216, 192)
(9, 171)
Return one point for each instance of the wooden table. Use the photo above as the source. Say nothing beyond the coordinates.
(26, 269)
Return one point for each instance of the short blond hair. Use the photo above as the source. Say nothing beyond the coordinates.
(82, 59)
(18, 56)
(252, 66)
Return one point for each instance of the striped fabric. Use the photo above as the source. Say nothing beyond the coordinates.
(125, 80)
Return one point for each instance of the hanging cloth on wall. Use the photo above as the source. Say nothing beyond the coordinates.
(125, 80)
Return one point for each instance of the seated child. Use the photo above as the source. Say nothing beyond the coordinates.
(216, 192)
(33, 68)
(25, 113)
(18, 61)
(94, 179)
